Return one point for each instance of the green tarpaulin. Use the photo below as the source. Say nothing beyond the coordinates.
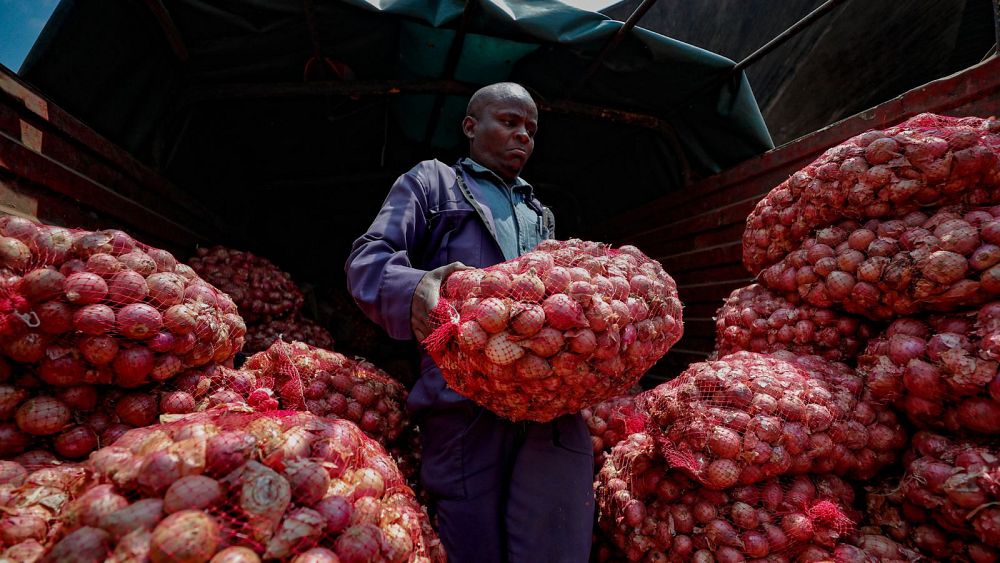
(282, 114)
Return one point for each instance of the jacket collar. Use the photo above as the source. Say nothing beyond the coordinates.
(470, 169)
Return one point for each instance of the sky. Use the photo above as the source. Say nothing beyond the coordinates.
(20, 23)
(22, 20)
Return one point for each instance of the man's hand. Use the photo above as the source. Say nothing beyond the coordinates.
(425, 297)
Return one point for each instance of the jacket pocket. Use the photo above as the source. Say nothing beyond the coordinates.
(442, 470)
(570, 433)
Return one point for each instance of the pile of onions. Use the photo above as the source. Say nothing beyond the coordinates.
(954, 482)
(567, 325)
(755, 319)
(298, 328)
(31, 503)
(99, 307)
(611, 421)
(328, 383)
(247, 486)
(654, 513)
(751, 417)
(925, 161)
(603, 548)
(258, 287)
(911, 531)
(72, 421)
(889, 268)
(868, 545)
(938, 372)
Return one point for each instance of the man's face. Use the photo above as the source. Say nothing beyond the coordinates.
(502, 136)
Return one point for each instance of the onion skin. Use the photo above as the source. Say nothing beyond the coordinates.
(939, 263)
(647, 509)
(861, 179)
(186, 536)
(84, 545)
(578, 323)
(939, 370)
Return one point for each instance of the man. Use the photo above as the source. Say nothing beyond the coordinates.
(501, 490)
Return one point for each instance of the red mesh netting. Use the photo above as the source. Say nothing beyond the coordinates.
(31, 501)
(73, 421)
(98, 307)
(750, 417)
(925, 161)
(654, 513)
(956, 484)
(611, 421)
(246, 486)
(885, 269)
(300, 329)
(257, 286)
(755, 319)
(330, 384)
(567, 325)
(942, 372)
(296, 376)
(894, 528)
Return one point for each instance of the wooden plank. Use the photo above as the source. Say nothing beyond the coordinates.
(28, 102)
(667, 241)
(42, 170)
(89, 164)
(710, 273)
(700, 310)
(731, 253)
(970, 92)
(699, 327)
(710, 291)
(56, 209)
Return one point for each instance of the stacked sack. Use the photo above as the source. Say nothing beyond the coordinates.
(746, 457)
(93, 325)
(266, 296)
(890, 242)
(568, 325)
(226, 485)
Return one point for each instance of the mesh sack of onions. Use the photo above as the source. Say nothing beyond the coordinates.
(955, 483)
(330, 384)
(655, 513)
(31, 502)
(895, 528)
(611, 421)
(297, 328)
(897, 267)
(750, 417)
(98, 307)
(869, 545)
(755, 319)
(928, 160)
(258, 287)
(942, 371)
(567, 325)
(72, 421)
(241, 486)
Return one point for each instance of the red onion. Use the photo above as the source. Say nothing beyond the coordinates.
(860, 179)
(604, 317)
(726, 411)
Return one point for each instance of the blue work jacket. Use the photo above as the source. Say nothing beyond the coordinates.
(429, 219)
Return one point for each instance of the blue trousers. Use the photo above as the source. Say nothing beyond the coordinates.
(508, 491)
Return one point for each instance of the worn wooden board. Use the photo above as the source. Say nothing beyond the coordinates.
(696, 234)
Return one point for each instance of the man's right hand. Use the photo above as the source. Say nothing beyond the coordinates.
(425, 298)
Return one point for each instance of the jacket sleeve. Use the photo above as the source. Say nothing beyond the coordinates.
(380, 274)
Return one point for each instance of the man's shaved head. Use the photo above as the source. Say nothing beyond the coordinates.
(500, 124)
(501, 91)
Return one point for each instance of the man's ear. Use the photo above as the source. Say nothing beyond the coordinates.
(469, 126)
